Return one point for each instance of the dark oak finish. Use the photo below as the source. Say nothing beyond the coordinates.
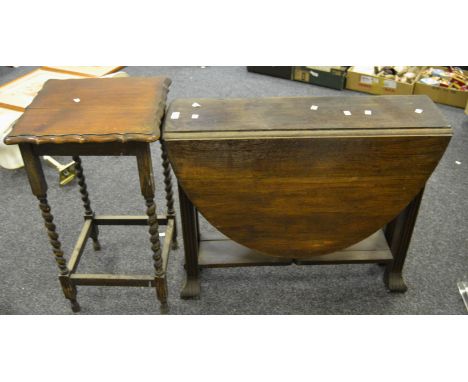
(398, 233)
(127, 220)
(275, 114)
(108, 110)
(302, 185)
(80, 245)
(217, 251)
(170, 211)
(118, 116)
(113, 280)
(145, 171)
(33, 166)
(86, 202)
(327, 191)
(190, 233)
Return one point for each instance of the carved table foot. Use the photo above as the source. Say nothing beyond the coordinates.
(191, 289)
(395, 282)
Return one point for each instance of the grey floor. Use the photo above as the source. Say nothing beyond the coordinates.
(437, 259)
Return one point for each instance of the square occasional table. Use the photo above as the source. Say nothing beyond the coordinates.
(99, 117)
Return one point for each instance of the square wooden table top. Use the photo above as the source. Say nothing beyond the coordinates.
(94, 110)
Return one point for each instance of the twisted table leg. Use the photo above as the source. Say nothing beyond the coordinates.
(86, 202)
(168, 189)
(38, 185)
(68, 288)
(145, 171)
(161, 286)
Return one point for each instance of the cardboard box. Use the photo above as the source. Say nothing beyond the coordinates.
(328, 76)
(452, 97)
(362, 80)
(274, 71)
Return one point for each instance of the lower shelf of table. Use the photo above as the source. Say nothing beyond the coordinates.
(218, 251)
(104, 279)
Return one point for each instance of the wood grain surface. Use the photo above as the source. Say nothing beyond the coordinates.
(300, 196)
(294, 113)
(94, 110)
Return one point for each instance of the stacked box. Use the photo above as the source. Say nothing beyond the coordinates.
(328, 76)
(274, 71)
(439, 94)
(333, 77)
(364, 79)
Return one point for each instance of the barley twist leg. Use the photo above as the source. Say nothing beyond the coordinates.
(169, 191)
(86, 202)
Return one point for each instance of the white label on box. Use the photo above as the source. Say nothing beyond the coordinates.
(314, 74)
(368, 112)
(391, 84)
(175, 115)
(366, 80)
(314, 107)
(194, 116)
(346, 112)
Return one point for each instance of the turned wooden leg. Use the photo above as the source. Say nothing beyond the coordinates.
(145, 171)
(398, 234)
(189, 222)
(38, 185)
(86, 202)
(168, 189)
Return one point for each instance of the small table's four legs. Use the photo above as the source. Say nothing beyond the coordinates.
(145, 171)
(38, 184)
(398, 233)
(190, 232)
(168, 189)
(86, 202)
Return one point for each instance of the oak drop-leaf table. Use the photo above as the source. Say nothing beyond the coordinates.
(99, 117)
(304, 180)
